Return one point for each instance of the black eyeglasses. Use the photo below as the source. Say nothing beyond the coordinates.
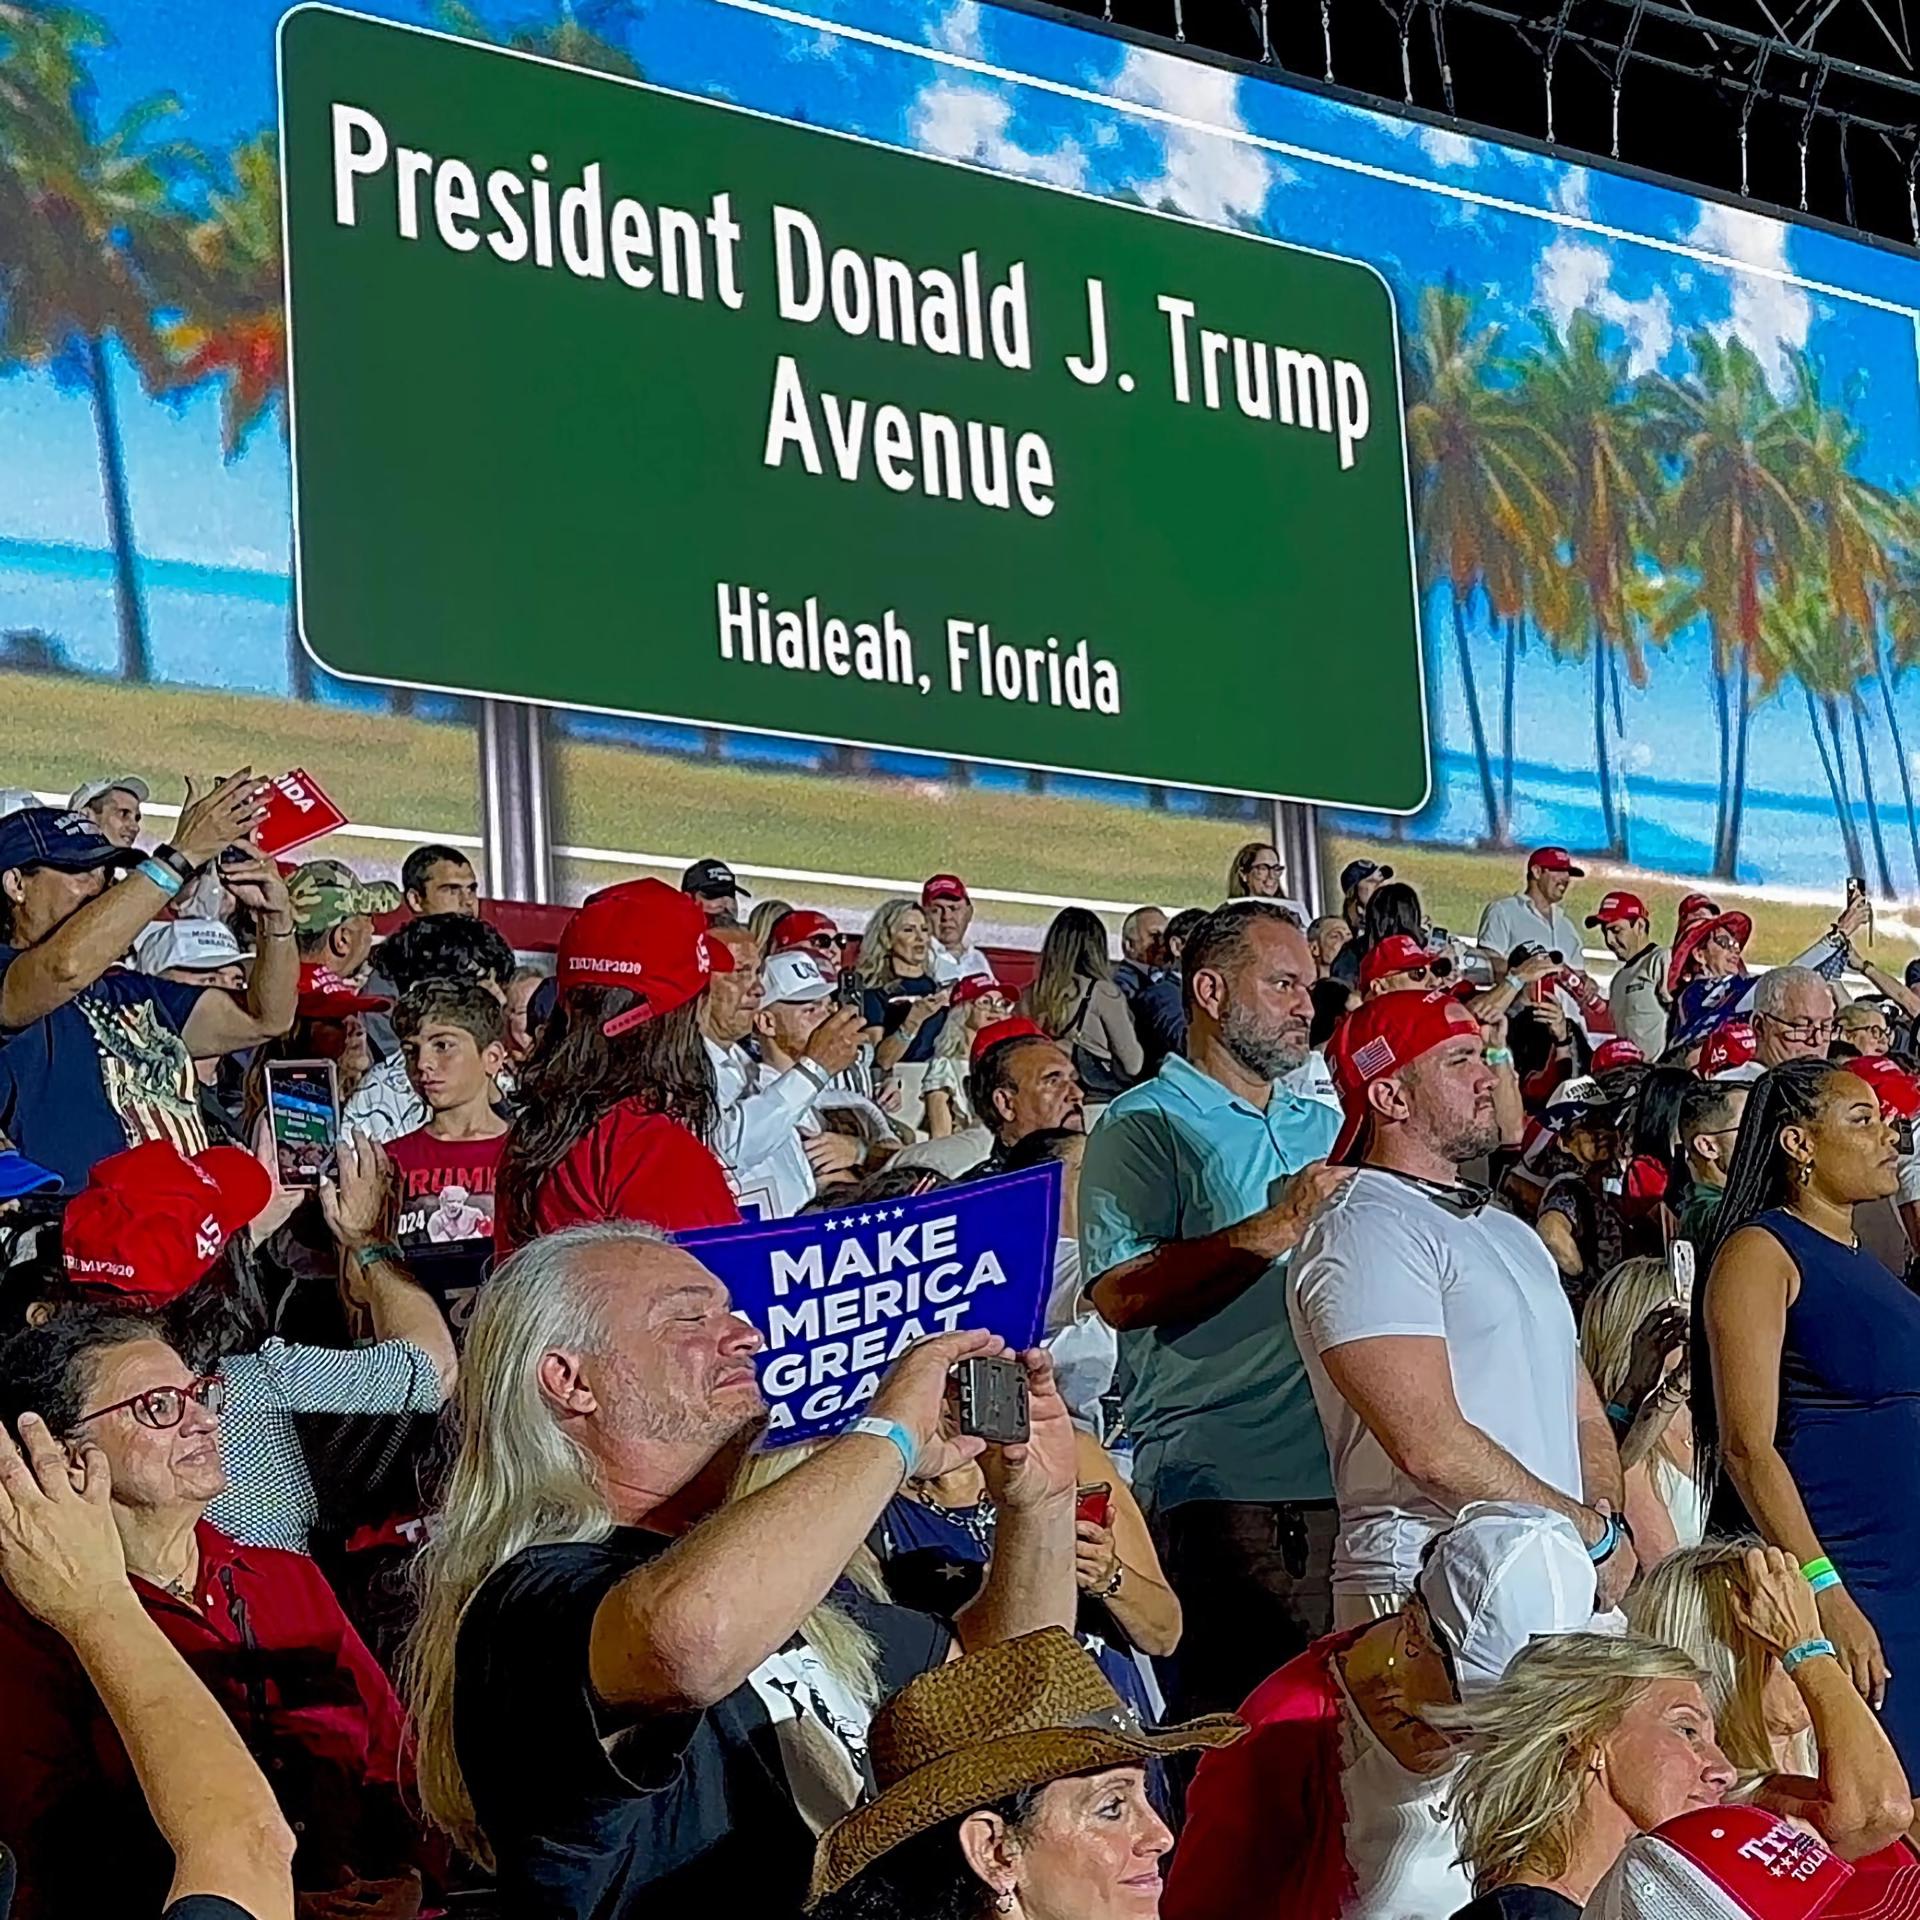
(825, 942)
(163, 1408)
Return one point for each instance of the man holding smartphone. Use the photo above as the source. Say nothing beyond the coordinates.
(95, 1058)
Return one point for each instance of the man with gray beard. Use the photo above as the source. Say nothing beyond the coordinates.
(1196, 1186)
(1436, 1333)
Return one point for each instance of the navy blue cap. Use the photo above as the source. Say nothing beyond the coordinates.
(1357, 870)
(20, 1176)
(72, 842)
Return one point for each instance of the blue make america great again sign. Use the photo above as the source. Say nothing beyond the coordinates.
(839, 1296)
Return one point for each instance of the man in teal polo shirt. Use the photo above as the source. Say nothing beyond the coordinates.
(1196, 1186)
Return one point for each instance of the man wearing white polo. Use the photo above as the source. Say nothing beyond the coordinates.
(1437, 1339)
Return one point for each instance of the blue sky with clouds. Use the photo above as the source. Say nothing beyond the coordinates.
(1528, 233)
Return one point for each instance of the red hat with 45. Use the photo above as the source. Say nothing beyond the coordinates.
(647, 937)
(1898, 1091)
(150, 1221)
(1380, 1038)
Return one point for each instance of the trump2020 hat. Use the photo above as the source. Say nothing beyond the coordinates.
(1618, 908)
(794, 977)
(68, 842)
(151, 1221)
(647, 937)
(1618, 1053)
(709, 880)
(1377, 1040)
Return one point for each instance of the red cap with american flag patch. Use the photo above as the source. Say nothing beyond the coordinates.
(1379, 1039)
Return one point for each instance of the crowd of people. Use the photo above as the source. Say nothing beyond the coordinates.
(1471, 1467)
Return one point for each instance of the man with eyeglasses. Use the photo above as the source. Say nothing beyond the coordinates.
(260, 1627)
(1792, 1010)
(1400, 964)
(1437, 1339)
(1710, 1115)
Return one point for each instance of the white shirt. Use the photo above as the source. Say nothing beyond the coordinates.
(1085, 1350)
(948, 967)
(1312, 1079)
(1507, 923)
(1400, 1839)
(1382, 1258)
(757, 1135)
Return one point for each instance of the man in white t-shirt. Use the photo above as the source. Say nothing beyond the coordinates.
(1437, 1339)
(951, 955)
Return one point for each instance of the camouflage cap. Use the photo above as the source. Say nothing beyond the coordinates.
(326, 893)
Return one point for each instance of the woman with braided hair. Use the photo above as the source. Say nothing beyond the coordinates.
(1807, 1374)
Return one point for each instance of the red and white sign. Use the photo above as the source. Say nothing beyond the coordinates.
(297, 811)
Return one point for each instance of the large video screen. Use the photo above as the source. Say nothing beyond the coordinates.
(1663, 453)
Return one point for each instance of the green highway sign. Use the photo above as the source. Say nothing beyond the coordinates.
(607, 397)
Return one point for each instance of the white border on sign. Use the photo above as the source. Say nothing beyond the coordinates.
(912, 153)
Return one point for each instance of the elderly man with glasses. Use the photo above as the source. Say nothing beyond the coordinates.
(260, 1627)
(1792, 1010)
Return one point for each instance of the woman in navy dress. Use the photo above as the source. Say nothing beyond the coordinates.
(1807, 1373)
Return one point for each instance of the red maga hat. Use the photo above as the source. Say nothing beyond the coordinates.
(1723, 1863)
(1694, 903)
(944, 886)
(1617, 907)
(1730, 1045)
(976, 986)
(1898, 1090)
(799, 928)
(647, 937)
(1018, 1027)
(1400, 953)
(1380, 1038)
(1554, 860)
(1617, 1053)
(326, 995)
(150, 1221)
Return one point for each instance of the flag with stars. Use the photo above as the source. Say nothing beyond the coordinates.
(838, 1296)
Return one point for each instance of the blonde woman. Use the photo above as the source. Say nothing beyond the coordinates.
(760, 922)
(1807, 1745)
(1074, 999)
(1585, 1741)
(1662, 1502)
(978, 1001)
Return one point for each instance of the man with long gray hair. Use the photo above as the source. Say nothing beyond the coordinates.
(630, 1696)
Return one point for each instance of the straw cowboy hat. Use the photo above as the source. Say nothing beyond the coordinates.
(974, 1731)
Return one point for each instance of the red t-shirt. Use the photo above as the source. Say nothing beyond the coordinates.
(272, 1646)
(633, 1164)
(1265, 1834)
(444, 1217)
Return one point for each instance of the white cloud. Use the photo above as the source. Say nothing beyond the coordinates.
(1441, 145)
(1770, 315)
(958, 30)
(968, 121)
(1575, 275)
(1208, 175)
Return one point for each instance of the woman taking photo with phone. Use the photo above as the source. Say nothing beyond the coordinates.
(1809, 1351)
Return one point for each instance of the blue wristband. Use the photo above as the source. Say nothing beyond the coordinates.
(1806, 1650)
(1602, 1547)
(164, 878)
(891, 1430)
(1820, 1582)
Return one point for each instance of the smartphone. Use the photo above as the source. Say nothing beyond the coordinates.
(1856, 886)
(992, 1395)
(849, 994)
(1094, 1504)
(303, 1103)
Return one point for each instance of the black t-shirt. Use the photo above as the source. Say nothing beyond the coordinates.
(668, 1815)
(1520, 1903)
(886, 1008)
(205, 1906)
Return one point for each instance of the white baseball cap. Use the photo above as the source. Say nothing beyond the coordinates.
(12, 799)
(1501, 1575)
(85, 796)
(191, 946)
(794, 975)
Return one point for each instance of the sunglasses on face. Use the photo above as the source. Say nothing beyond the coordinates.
(823, 942)
(163, 1408)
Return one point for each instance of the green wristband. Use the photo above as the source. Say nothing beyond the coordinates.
(385, 1253)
